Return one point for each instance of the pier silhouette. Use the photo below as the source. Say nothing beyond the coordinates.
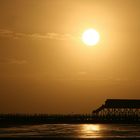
(113, 111)
(118, 110)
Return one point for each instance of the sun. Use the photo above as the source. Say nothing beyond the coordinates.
(91, 37)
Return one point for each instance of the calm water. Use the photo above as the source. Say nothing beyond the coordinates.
(73, 131)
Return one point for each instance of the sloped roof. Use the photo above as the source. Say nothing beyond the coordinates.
(122, 103)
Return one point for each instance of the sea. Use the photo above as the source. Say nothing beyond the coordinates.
(93, 131)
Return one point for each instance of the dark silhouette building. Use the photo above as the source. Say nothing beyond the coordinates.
(119, 109)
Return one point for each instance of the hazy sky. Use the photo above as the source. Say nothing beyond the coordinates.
(46, 68)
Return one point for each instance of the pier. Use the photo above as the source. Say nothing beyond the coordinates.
(112, 111)
(118, 110)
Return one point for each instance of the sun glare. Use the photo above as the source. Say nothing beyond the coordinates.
(90, 37)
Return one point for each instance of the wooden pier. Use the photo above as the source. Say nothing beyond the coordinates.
(113, 111)
(118, 110)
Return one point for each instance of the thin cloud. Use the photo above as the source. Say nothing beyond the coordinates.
(19, 62)
(18, 35)
(82, 73)
(12, 61)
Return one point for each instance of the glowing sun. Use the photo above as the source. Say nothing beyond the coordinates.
(90, 37)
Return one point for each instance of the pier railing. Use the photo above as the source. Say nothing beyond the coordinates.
(117, 109)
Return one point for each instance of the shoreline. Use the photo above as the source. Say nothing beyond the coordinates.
(64, 138)
(14, 124)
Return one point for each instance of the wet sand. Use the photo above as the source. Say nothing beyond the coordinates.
(61, 138)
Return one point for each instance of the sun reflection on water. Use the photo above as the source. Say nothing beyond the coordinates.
(90, 130)
(91, 127)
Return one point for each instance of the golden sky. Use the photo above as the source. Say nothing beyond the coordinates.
(46, 68)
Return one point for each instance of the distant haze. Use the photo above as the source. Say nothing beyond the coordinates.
(46, 68)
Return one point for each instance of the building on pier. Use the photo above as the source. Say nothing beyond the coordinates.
(119, 108)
